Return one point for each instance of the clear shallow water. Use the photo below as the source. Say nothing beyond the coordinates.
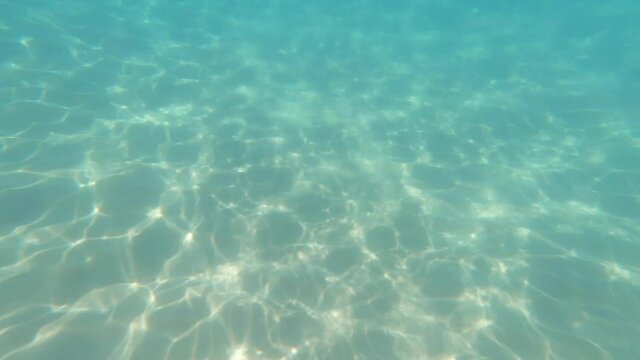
(342, 180)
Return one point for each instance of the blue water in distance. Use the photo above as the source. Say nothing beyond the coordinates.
(346, 179)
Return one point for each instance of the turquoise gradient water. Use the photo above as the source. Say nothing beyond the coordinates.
(319, 180)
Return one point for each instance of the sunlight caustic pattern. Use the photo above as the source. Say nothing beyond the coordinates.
(279, 180)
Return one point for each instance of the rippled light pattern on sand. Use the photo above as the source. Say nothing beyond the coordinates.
(319, 180)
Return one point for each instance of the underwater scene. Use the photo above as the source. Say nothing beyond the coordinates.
(279, 179)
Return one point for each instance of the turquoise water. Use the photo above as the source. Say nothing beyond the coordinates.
(319, 180)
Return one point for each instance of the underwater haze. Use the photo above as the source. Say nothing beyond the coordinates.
(352, 179)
